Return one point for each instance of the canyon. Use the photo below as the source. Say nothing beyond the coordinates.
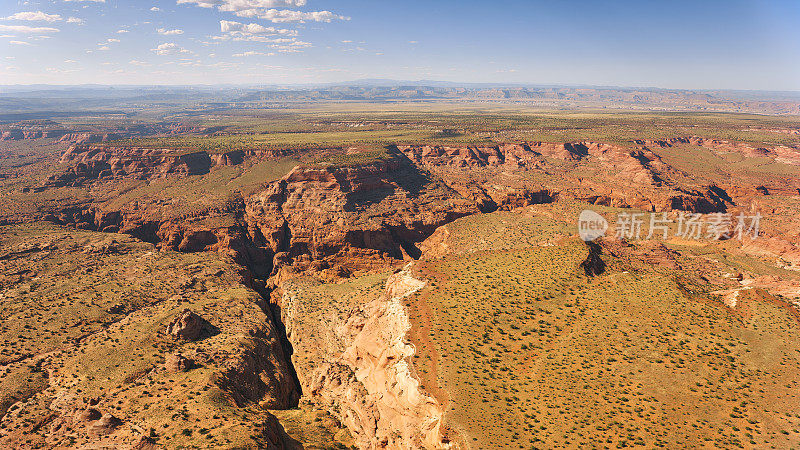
(337, 220)
(305, 292)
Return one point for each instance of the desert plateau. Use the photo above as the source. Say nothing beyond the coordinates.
(420, 283)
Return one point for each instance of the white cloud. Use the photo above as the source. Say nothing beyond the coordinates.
(94, 1)
(297, 47)
(19, 43)
(166, 32)
(104, 45)
(135, 62)
(122, 31)
(77, 20)
(251, 53)
(223, 65)
(59, 70)
(34, 16)
(292, 45)
(281, 40)
(155, 9)
(242, 5)
(281, 44)
(265, 9)
(170, 48)
(250, 29)
(27, 29)
(287, 15)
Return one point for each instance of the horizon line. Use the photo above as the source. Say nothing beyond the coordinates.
(389, 83)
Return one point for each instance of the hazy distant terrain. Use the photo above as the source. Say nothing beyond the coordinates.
(21, 102)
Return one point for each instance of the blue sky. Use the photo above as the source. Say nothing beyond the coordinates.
(711, 44)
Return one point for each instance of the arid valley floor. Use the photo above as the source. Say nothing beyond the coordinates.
(352, 274)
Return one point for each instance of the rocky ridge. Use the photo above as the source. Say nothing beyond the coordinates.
(190, 316)
(88, 163)
(340, 219)
(38, 129)
(499, 176)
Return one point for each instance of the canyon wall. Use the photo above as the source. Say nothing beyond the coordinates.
(367, 378)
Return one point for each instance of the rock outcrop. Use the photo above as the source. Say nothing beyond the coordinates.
(175, 363)
(261, 372)
(231, 158)
(357, 218)
(89, 138)
(780, 153)
(187, 325)
(88, 415)
(500, 177)
(370, 386)
(88, 163)
(105, 425)
(20, 134)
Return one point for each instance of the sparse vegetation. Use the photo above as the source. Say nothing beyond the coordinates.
(520, 345)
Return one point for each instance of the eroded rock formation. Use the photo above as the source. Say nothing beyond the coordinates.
(354, 218)
(87, 163)
(187, 325)
(502, 176)
(371, 385)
